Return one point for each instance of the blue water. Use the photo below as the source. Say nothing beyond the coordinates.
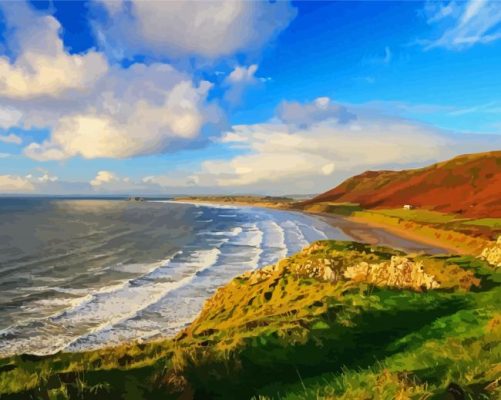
(80, 274)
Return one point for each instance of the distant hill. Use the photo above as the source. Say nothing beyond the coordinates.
(469, 185)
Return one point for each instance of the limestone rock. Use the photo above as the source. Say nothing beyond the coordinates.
(492, 254)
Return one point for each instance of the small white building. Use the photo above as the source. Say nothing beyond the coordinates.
(408, 207)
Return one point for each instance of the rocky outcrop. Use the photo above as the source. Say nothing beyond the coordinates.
(399, 272)
(492, 254)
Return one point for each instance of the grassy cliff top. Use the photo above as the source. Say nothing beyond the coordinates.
(337, 320)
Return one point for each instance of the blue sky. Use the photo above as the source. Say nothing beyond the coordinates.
(240, 97)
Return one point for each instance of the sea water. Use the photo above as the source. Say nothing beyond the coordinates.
(80, 274)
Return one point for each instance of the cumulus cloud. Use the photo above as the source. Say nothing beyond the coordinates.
(104, 177)
(15, 184)
(464, 24)
(11, 138)
(93, 109)
(140, 110)
(217, 28)
(40, 65)
(317, 150)
(284, 153)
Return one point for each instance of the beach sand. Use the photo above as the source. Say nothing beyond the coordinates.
(374, 234)
(357, 228)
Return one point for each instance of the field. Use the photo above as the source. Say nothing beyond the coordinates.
(337, 320)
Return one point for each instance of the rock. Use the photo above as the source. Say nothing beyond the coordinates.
(399, 272)
(328, 275)
(492, 254)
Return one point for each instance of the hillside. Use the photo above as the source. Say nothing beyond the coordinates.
(338, 320)
(468, 185)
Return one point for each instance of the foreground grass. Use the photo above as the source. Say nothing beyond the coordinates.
(302, 330)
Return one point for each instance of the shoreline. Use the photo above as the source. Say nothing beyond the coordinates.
(383, 235)
(358, 229)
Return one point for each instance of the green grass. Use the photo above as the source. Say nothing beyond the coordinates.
(493, 223)
(287, 333)
(477, 229)
(420, 215)
(344, 209)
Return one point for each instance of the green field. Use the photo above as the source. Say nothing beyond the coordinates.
(302, 330)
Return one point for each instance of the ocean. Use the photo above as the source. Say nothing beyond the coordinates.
(79, 274)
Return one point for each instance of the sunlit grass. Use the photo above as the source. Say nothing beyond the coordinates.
(291, 333)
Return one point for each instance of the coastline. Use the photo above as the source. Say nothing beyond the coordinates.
(357, 228)
(302, 311)
(384, 235)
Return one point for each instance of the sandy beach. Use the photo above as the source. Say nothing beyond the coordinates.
(357, 228)
(377, 234)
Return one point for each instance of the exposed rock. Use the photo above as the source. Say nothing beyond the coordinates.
(492, 254)
(328, 274)
(399, 272)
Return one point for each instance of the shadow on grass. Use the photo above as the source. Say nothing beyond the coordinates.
(270, 359)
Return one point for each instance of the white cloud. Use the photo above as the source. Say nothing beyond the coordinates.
(320, 109)
(238, 80)
(47, 178)
(465, 24)
(288, 156)
(110, 182)
(41, 66)
(140, 110)
(11, 138)
(15, 184)
(92, 109)
(104, 177)
(243, 74)
(216, 28)
(293, 156)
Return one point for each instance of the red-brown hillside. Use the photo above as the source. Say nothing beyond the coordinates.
(469, 185)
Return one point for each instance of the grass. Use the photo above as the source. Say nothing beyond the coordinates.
(302, 330)
(466, 235)
(344, 209)
(420, 215)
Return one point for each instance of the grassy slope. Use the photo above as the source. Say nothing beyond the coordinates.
(464, 235)
(291, 333)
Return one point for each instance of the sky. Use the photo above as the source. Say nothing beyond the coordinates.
(239, 97)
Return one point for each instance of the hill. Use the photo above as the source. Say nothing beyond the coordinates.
(468, 185)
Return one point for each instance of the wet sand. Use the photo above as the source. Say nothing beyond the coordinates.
(376, 235)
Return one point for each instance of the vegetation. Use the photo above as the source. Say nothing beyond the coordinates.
(468, 185)
(464, 235)
(305, 328)
(262, 201)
